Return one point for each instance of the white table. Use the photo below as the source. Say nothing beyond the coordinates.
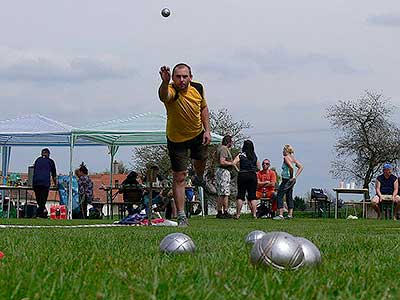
(18, 190)
(351, 191)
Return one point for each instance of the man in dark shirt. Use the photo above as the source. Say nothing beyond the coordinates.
(386, 187)
(43, 167)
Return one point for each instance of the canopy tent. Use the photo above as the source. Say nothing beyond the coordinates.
(142, 129)
(37, 130)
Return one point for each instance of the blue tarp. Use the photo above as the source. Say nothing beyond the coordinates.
(63, 188)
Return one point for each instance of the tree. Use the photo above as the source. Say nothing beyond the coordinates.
(146, 156)
(222, 123)
(120, 167)
(299, 203)
(367, 137)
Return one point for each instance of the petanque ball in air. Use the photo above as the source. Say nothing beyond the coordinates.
(165, 12)
(254, 236)
(176, 243)
(279, 250)
(312, 255)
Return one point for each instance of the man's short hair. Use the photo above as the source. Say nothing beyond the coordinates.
(46, 150)
(181, 65)
(226, 140)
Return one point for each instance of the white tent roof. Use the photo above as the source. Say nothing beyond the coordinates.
(34, 130)
(142, 129)
(37, 130)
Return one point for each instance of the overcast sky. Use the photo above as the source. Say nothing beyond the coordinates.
(275, 64)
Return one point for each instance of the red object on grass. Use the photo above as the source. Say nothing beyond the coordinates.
(58, 212)
(1, 255)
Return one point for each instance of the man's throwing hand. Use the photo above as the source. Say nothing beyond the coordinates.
(165, 74)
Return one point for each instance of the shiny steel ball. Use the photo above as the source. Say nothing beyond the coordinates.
(312, 255)
(165, 12)
(279, 250)
(177, 243)
(254, 236)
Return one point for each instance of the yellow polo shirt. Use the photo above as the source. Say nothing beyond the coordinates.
(184, 114)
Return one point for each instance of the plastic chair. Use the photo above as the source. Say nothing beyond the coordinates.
(387, 207)
(264, 208)
(132, 194)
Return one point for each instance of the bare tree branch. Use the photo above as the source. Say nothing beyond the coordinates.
(367, 137)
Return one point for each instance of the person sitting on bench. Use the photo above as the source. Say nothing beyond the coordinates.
(386, 185)
(266, 181)
(132, 193)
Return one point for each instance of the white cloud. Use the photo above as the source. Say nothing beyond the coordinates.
(44, 67)
(391, 20)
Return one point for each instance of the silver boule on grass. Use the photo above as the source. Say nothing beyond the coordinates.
(312, 255)
(279, 250)
(254, 236)
(177, 243)
(165, 12)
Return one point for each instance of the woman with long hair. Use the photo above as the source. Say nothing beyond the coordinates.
(247, 178)
(85, 185)
(288, 181)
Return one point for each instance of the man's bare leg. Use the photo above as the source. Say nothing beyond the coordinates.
(179, 195)
(199, 167)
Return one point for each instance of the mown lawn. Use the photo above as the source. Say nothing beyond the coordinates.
(360, 261)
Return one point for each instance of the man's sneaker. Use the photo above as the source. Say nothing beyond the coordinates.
(183, 222)
(278, 217)
(289, 217)
(226, 215)
(219, 216)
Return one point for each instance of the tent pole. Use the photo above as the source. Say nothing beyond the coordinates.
(5, 162)
(71, 153)
(110, 206)
(4, 180)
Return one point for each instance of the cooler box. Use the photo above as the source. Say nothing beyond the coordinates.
(58, 212)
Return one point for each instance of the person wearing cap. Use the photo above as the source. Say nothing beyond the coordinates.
(386, 186)
(43, 168)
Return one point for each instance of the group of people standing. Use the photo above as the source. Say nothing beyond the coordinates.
(254, 181)
(188, 136)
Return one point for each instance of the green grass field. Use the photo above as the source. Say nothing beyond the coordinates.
(360, 261)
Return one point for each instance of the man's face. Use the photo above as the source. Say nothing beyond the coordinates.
(181, 78)
(266, 164)
(45, 154)
(387, 172)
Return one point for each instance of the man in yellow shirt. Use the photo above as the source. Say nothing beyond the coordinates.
(188, 128)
